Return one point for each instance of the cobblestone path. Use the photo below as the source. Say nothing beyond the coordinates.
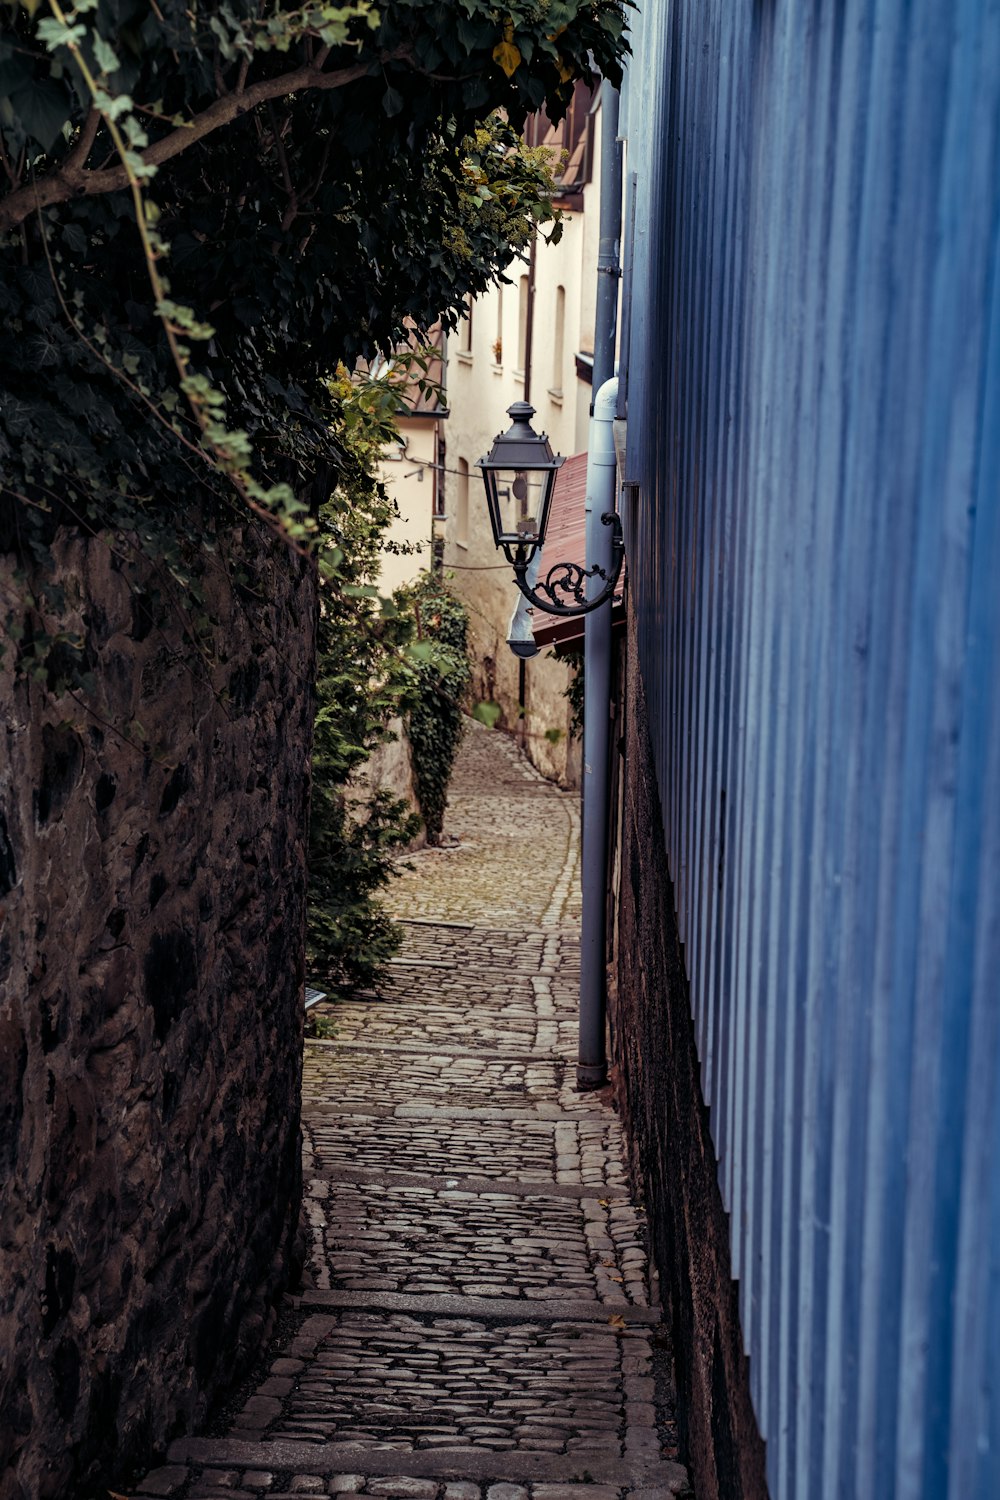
(477, 1320)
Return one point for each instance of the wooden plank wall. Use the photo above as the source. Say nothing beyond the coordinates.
(814, 555)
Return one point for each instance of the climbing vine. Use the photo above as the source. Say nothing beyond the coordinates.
(364, 676)
(572, 657)
(441, 670)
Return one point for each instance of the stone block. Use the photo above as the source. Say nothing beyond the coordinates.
(165, 1481)
(574, 1492)
(259, 1411)
(403, 1487)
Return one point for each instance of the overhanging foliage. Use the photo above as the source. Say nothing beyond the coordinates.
(306, 180)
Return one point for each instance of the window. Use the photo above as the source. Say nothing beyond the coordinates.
(498, 341)
(439, 481)
(462, 504)
(572, 136)
(465, 330)
(522, 322)
(559, 333)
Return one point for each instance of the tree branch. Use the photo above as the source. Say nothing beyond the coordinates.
(286, 177)
(71, 180)
(77, 157)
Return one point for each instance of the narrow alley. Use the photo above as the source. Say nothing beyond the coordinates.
(477, 1318)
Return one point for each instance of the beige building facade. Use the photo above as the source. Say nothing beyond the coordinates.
(410, 471)
(411, 468)
(530, 340)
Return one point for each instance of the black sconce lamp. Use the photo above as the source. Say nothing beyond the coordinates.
(519, 473)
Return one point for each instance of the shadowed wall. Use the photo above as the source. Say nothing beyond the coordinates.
(152, 886)
(666, 1124)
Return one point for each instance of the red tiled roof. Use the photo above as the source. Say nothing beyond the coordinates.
(566, 533)
(565, 541)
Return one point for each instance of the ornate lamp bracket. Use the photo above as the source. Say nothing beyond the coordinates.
(568, 581)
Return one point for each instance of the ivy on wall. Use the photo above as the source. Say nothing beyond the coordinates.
(573, 693)
(442, 672)
(364, 677)
(378, 659)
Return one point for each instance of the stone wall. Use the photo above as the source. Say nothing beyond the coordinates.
(390, 768)
(659, 1089)
(544, 728)
(152, 894)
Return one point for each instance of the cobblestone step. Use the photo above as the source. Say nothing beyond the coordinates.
(570, 1107)
(413, 1237)
(201, 1468)
(331, 1073)
(412, 1023)
(573, 1152)
(527, 1187)
(228, 1483)
(435, 1058)
(564, 1110)
(493, 1309)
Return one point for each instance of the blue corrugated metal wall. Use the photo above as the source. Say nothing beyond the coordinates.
(814, 424)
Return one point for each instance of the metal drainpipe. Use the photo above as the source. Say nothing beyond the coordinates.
(529, 317)
(441, 458)
(592, 1069)
(520, 633)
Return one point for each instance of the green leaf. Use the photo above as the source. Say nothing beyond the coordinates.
(43, 109)
(475, 92)
(106, 59)
(55, 33)
(136, 134)
(487, 713)
(112, 105)
(74, 237)
(14, 74)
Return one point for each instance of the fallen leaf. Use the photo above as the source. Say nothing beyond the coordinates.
(616, 1322)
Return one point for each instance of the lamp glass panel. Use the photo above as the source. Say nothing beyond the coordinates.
(520, 497)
